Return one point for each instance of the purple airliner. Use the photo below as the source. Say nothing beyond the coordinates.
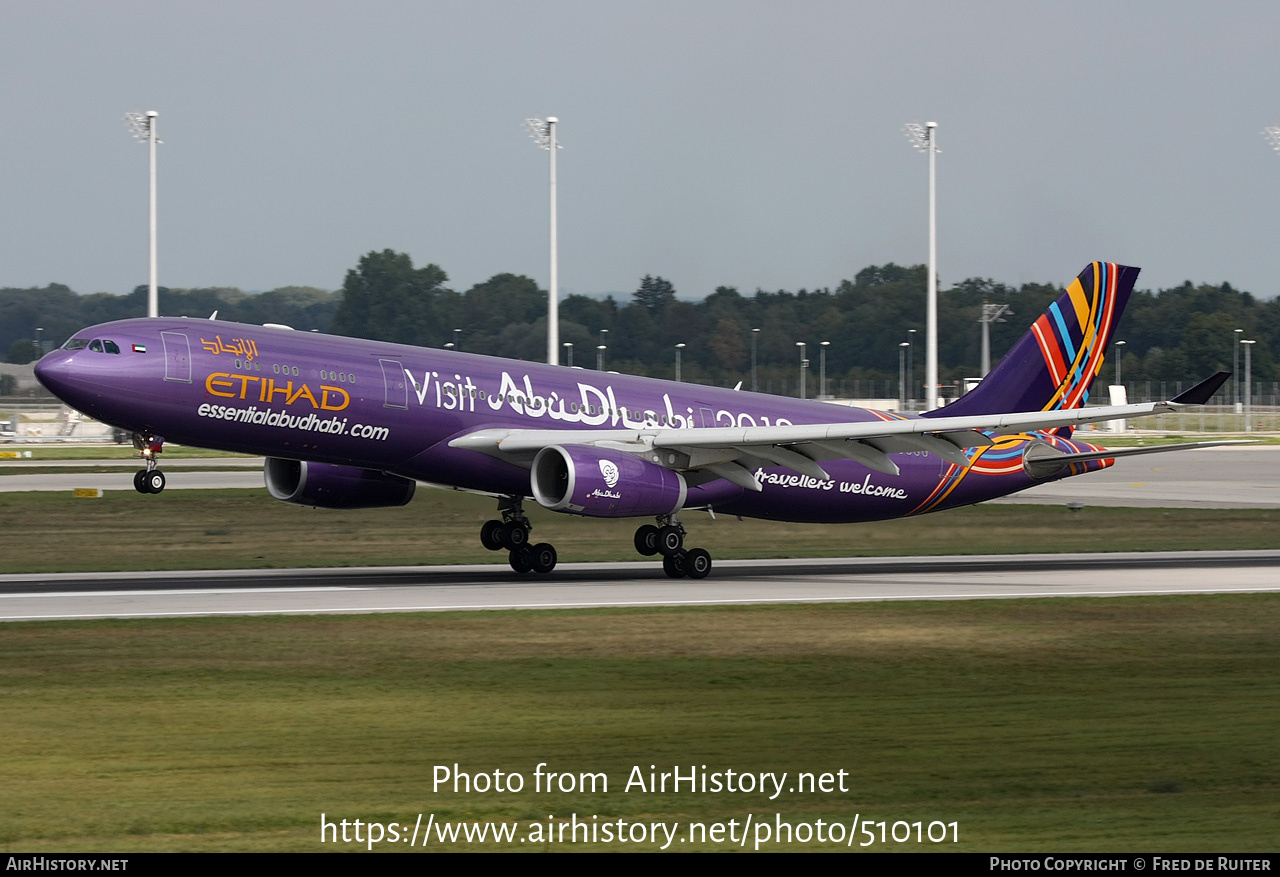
(349, 423)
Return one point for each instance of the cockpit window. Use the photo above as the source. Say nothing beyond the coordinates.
(95, 344)
(111, 346)
(76, 344)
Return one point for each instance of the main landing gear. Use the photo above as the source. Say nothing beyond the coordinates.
(512, 533)
(667, 539)
(150, 479)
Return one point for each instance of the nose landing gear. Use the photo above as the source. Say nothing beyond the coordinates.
(512, 533)
(667, 539)
(150, 479)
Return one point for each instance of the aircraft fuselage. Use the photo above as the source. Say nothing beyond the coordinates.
(395, 408)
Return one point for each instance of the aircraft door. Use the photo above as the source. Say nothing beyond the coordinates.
(177, 357)
(393, 382)
(708, 417)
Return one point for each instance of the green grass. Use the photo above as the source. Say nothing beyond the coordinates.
(230, 529)
(1039, 725)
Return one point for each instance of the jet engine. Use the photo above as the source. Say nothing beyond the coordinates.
(599, 483)
(323, 485)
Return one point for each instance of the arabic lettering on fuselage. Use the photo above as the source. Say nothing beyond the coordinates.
(243, 347)
(592, 406)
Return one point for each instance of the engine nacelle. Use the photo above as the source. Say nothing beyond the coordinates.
(335, 487)
(604, 484)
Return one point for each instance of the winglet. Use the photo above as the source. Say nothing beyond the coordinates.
(1203, 391)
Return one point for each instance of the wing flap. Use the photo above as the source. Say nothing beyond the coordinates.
(781, 456)
(736, 474)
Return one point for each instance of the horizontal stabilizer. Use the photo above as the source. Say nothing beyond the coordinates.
(1043, 461)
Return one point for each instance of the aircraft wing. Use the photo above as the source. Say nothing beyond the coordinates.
(732, 452)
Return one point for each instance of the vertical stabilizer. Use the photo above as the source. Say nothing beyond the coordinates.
(1053, 365)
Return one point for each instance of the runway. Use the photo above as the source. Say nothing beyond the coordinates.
(1244, 477)
(1213, 478)
(487, 587)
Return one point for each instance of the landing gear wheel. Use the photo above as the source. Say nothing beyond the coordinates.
(138, 483)
(153, 481)
(543, 558)
(697, 563)
(522, 559)
(647, 540)
(670, 540)
(514, 535)
(491, 535)
(674, 565)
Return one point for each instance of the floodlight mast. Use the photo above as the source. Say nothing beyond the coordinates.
(991, 313)
(543, 132)
(143, 126)
(925, 139)
(1272, 133)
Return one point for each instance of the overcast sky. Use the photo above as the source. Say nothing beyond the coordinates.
(751, 144)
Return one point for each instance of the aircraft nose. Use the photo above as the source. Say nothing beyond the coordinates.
(54, 371)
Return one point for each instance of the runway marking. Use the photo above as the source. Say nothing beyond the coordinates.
(643, 603)
(184, 592)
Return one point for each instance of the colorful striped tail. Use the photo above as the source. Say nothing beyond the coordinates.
(1054, 364)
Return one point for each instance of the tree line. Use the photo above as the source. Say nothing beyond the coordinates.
(1177, 334)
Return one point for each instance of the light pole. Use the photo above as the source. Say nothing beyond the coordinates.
(911, 369)
(755, 387)
(679, 347)
(600, 349)
(457, 344)
(543, 132)
(1119, 355)
(1248, 385)
(925, 139)
(822, 370)
(804, 364)
(143, 126)
(1235, 368)
(902, 375)
(40, 340)
(568, 347)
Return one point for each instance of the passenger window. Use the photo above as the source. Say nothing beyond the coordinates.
(95, 344)
(111, 346)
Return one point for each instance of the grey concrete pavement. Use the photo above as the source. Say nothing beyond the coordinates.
(418, 589)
